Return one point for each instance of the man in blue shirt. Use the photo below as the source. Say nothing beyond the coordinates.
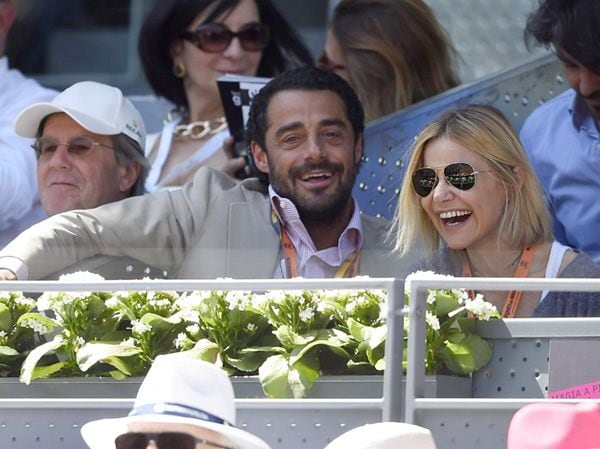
(561, 137)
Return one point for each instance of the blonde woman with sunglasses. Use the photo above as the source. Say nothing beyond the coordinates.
(472, 202)
(184, 47)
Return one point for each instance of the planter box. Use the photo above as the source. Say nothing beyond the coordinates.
(334, 387)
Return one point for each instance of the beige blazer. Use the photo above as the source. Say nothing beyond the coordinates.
(212, 227)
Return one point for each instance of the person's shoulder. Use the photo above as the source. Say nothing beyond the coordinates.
(212, 182)
(375, 224)
(581, 266)
(555, 107)
(24, 90)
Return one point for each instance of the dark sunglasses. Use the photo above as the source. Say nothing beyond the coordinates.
(459, 174)
(216, 37)
(162, 440)
(324, 63)
(78, 146)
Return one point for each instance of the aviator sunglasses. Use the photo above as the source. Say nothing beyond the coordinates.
(163, 440)
(216, 37)
(78, 146)
(459, 174)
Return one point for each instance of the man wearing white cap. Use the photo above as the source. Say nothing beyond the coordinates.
(182, 403)
(19, 205)
(89, 143)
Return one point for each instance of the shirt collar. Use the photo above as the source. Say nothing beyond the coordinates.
(580, 113)
(3, 64)
(288, 214)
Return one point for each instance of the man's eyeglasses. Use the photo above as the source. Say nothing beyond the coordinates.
(77, 146)
(163, 440)
(459, 174)
(216, 37)
(324, 63)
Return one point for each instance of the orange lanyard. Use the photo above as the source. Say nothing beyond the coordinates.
(511, 303)
(348, 268)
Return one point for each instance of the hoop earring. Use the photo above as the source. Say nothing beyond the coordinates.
(179, 70)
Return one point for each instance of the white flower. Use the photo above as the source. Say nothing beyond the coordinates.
(432, 321)
(180, 340)
(431, 296)
(189, 315)
(112, 302)
(2, 334)
(43, 302)
(37, 326)
(138, 327)
(23, 301)
(306, 314)
(251, 327)
(81, 276)
(194, 299)
(238, 299)
(422, 275)
(193, 329)
(481, 308)
(275, 296)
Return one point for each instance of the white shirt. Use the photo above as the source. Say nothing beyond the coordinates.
(19, 199)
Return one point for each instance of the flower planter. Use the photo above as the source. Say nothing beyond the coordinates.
(335, 387)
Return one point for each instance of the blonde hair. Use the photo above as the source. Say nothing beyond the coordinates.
(395, 52)
(485, 131)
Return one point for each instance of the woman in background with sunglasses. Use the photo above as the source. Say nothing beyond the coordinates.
(473, 202)
(392, 52)
(184, 47)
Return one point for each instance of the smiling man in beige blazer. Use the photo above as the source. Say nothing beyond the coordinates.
(305, 129)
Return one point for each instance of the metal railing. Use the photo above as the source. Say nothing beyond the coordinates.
(512, 328)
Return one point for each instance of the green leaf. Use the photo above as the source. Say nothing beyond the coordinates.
(326, 337)
(29, 370)
(444, 303)
(96, 306)
(289, 338)
(273, 376)
(302, 376)
(8, 351)
(248, 362)
(42, 372)
(204, 350)
(359, 331)
(94, 352)
(469, 355)
(117, 375)
(5, 318)
(160, 323)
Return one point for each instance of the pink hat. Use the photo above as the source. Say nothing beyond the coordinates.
(555, 426)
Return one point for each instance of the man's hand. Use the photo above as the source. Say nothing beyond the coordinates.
(234, 165)
(7, 275)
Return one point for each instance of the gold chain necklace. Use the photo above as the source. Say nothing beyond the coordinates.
(198, 129)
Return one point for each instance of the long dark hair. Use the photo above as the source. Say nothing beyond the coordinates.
(168, 18)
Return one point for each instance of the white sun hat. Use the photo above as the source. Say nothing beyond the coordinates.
(385, 435)
(99, 108)
(180, 390)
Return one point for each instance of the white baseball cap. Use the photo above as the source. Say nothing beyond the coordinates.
(99, 108)
(181, 390)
